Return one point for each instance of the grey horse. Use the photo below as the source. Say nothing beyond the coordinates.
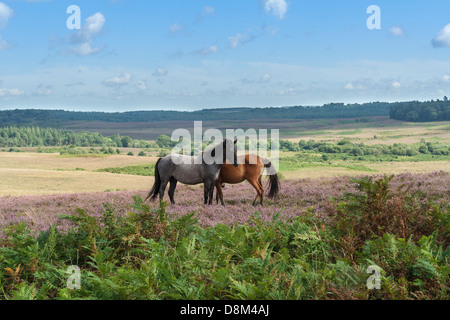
(191, 170)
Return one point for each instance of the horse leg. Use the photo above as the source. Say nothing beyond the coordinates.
(255, 185)
(162, 189)
(210, 195)
(207, 190)
(173, 185)
(219, 193)
(261, 188)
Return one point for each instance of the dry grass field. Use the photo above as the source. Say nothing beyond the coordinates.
(378, 168)
(407, 133)
(22, 182)
(39, 173)
(53, 161)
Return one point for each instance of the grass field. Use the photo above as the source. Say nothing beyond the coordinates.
(29, 172)
(37, 173)
(33, 173)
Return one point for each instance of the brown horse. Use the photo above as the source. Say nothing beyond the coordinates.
(250, 169)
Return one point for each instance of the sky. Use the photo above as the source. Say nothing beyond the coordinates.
(193, 54)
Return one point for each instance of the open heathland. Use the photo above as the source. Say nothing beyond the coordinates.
(339, 215)
(321, 239)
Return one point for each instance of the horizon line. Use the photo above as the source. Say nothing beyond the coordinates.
(216, 108)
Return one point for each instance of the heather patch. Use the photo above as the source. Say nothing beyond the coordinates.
(295, 198)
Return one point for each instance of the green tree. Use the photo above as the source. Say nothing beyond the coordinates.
(165, 141)
(126, 141)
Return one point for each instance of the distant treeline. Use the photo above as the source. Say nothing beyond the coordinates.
(53, 118)
(49, 137)
(416, 111)
(346, 147)
(410, 111)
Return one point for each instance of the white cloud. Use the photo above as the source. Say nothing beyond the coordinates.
(360, 84)
(85, 49)
(445, 78)
(11, 92)
(93, 26)
(43, 90)
(208, 50)
(213, 49)
(240, 38)
(397, 31)
(349, 86)
(290, 84)
(234, 41)
(207, 11)
(270, 30)
(277, 7)
(3, 44)
(396, 85)
(160, 72)
(141, 85)
(443, 38)
(175, 28)
(265, 78)
(5, 14)
(250, 35)
(119, 81)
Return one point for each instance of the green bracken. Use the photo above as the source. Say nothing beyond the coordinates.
(145, 255)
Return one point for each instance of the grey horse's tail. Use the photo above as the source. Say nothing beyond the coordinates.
(274, 181)
(155, 189)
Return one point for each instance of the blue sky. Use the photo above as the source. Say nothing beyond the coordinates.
(187, 55)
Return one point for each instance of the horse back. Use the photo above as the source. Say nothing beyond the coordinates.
(250, 167)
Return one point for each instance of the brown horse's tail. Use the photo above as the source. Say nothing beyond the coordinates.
(155, 189)
(274, 181)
